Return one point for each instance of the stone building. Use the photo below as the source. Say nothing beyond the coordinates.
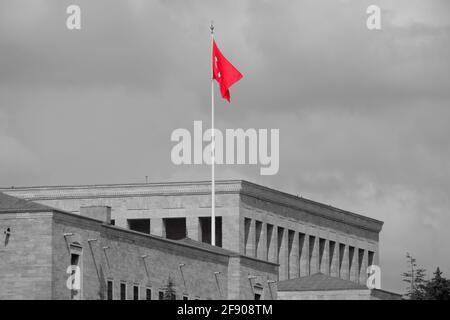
(304, 237)
(48, 253)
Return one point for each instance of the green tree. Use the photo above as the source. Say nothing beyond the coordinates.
(437, 288)
(415, 277)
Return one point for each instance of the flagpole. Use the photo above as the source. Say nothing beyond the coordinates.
(213, 150)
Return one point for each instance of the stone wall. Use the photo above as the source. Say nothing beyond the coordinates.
(26, 257)
(35, 262)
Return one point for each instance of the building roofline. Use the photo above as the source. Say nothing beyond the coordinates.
(243, 187)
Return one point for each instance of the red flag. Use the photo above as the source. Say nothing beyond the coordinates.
(224, 72)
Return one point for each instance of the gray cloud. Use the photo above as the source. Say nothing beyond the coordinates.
(363, 116)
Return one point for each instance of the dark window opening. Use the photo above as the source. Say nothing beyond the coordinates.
(135, 292)
(109, 292)
(113, 222)
(75, 263)
(247, 224)
(148, 294)
(258, 230)
(205, 228)
(269, 239)
(123, 291)
(161, 295)
(139, 225)
(257, 296)
(280, 242)
(175, 228)
(370, 258)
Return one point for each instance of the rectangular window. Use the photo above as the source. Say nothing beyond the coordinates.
(280, 232)
(110, 290)
(185, 298)
(135, 292)
(370, 258)
(258, 245)
(148, 294)
(269, 249)
(161, 295)
(75, 292)
(123, 291)
(247, 224)
(175, 228)
(139, 225)
(205, 230)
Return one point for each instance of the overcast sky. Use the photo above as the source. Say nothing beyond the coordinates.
(363, 115)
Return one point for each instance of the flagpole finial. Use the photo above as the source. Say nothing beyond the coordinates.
(212, 27)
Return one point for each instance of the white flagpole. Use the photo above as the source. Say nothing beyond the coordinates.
(213, 151)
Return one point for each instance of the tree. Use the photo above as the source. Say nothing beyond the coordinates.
(169, 290)
(437, 288)
(415, 277)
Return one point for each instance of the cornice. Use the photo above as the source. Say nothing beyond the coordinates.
(195, 188)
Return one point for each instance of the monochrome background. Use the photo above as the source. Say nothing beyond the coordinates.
(363, 115)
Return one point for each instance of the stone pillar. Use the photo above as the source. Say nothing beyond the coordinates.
(157, 227)
(233, 233)
(250, 238)
(304, 255)
(283, 253)
(294, 271)
(335, 254)
(261, 250)
(193, 228)
(314, 255)
(325, 259)
(344, 256)
(272, 251)
(364, 265)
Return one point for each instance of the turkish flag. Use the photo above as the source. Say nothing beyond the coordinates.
(223, 72)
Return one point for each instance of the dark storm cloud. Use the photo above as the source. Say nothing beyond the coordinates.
(363, 116)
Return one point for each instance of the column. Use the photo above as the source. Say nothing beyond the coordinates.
(250, 238)
(233, 233)
(344, 256)
(304, 254)
(313, 254)
(353, 261)
(272, 236)
(363, 271)
(334, 263)
(325, 258)
(261, 249)
(283, 253)
(157, 227)
(293, 255)
(193, 228)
